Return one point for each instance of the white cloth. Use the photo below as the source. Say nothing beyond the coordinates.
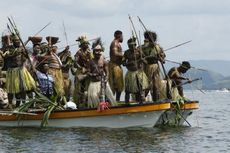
(3, 99)
(94, 90)
(70, 105)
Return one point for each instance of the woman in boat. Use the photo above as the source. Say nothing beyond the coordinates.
(99, 87)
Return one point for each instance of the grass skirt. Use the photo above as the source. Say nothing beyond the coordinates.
(58, 80)
(153, 73)
(152, 70)
(135, 81)
(163, 89)
(94, 94)
(19, 80)
(116, 81)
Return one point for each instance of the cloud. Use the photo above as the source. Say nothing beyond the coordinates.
(204, 22)
(85, 9)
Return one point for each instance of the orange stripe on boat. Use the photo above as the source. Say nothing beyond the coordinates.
(92, 113)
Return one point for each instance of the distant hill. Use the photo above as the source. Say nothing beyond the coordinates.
(209, 79)
(219, 66)
(220, 84)
(217, 75)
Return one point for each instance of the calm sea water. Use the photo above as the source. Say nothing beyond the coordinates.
(210, 132)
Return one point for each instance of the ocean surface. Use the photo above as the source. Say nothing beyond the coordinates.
(210, 133)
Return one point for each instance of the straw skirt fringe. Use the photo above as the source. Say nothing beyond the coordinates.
(19, 80)
(135, 81)
(116, 81)
(94, 94)
(58, 80)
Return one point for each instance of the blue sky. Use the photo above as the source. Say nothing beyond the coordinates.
(205, 22)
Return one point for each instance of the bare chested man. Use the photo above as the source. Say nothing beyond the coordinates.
(136, 81)
(98, 87)
(115, 71)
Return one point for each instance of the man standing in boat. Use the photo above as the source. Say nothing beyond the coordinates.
(175, 74)
(18, 79)
(67, 63)
(82, 58)
(98, 72)
(116, 81)
(6, 45)
(153, 53)
(136, 81)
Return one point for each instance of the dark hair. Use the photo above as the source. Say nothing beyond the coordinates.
(34, 45)
(186, 64)
(150, 35)
(131, 41)
(117, 33)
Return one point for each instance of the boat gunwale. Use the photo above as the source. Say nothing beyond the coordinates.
(188, 105)
(65, 114)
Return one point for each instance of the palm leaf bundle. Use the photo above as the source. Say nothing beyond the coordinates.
(42, 101)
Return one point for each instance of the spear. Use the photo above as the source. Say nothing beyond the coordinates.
(65, 33)
(37, 33)
(77, 43)
(13, 25)
(139, 44)
(135, 32)
(178, 45)
(180, 64)
(8, 27)
(188, 82)
(43, 28)
(181, 115)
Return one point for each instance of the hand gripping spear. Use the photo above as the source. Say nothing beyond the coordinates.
(169, 96)
(13, 25)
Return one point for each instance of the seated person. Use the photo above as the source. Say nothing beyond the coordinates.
(3, 94)
(46, 81)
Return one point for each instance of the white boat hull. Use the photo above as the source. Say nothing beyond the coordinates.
(140, 119)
